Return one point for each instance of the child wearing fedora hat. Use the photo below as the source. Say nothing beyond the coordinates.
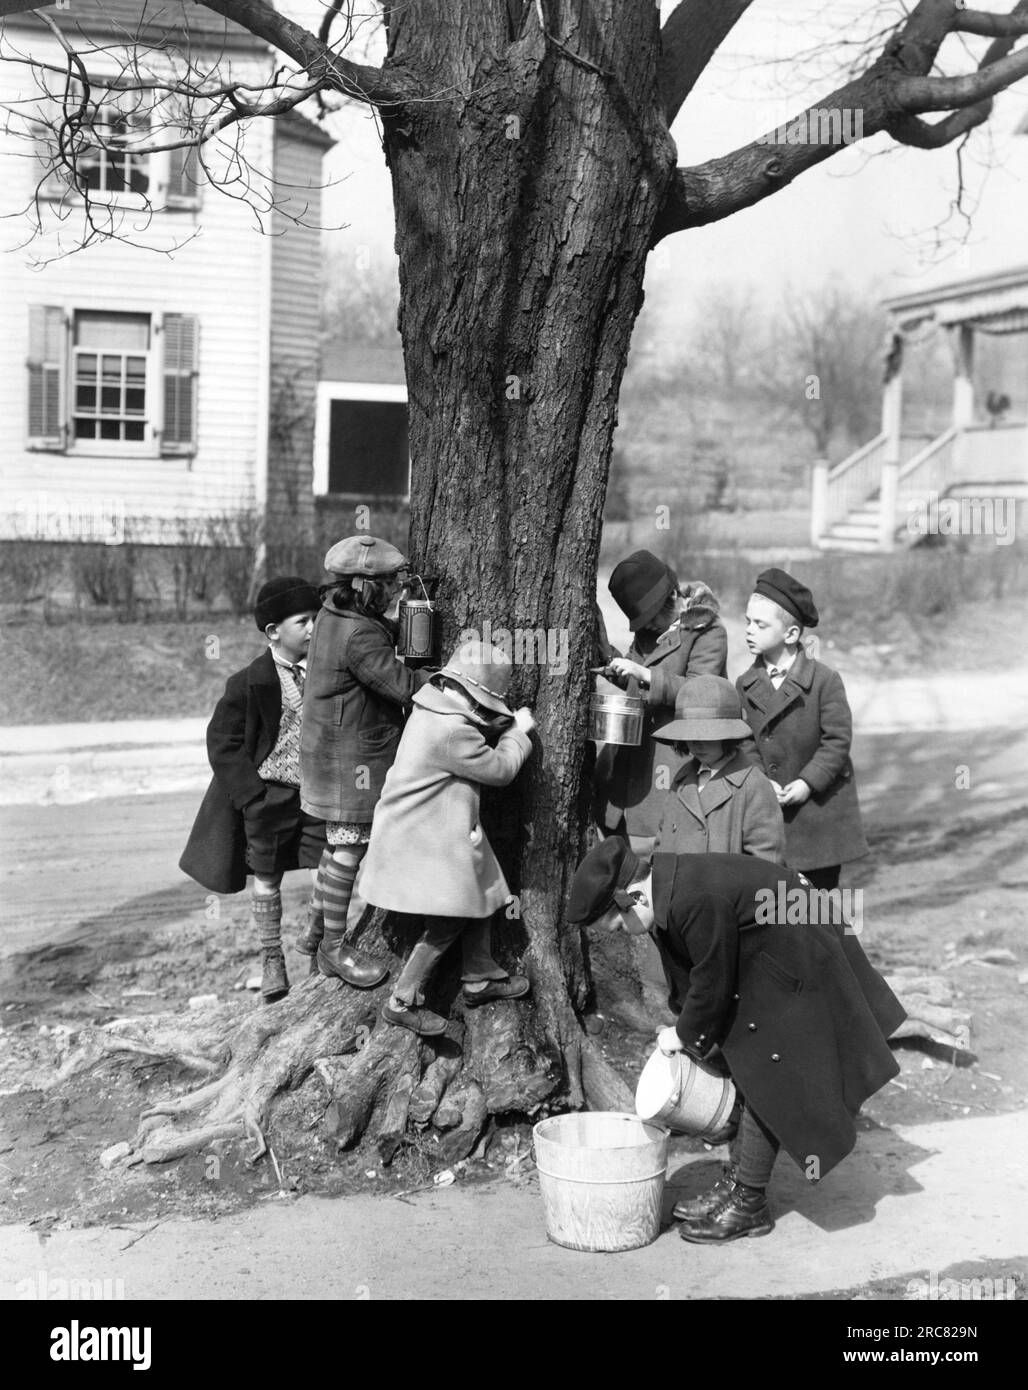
(428, 853)
(718, 802)
(677, 633)
(800, 719)
(355, 699)
(251, 820)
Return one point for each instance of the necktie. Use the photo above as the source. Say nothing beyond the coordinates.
(703, 777)
(298, 677)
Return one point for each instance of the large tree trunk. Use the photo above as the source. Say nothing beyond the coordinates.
(525, 196)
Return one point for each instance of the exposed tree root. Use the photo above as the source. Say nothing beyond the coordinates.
(520, 1058)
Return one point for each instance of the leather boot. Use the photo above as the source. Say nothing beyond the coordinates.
(274, 980)
(309, 940)
(355, 967)
(705, 1203)
(744, 1212)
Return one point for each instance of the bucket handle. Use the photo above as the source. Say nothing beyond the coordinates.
(423, 589)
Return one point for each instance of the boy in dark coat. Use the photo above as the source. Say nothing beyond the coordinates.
(801, 723)
(797, 1012)
(677, 634)
(250, 820)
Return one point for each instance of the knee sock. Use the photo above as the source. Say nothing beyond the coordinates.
(758, 1149)
(336, 882)
(267, 916)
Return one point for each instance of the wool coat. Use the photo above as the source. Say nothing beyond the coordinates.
(428, 853)
(630, 784)
(738, 813)
(355, 698)
(804, 730)
(241, 734)
(801, 1016)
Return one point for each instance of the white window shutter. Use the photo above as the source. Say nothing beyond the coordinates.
(46, 363)
(181, 357)
(184, 177)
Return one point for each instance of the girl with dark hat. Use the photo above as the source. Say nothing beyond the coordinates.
(428, 853)
(356, 695)
(251, 820)
(677, 634)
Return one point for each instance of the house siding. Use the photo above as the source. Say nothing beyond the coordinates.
(295, 326)
(213, 276)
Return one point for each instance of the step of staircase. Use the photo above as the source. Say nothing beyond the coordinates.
(857, 547)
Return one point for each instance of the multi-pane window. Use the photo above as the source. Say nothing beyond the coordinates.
(109, 376)
(109, 164)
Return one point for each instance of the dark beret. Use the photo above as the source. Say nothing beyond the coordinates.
(283, 598)
(789, 594)
(608, 866)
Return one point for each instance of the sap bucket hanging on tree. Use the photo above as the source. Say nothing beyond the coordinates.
(601, 1178)
(617, 716)
(416, 618)
(684, 1095)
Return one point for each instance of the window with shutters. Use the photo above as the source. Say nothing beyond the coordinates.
(110, 378)
(109, 163)
(106, 382)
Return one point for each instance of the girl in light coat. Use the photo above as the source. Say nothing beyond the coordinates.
(428, 853)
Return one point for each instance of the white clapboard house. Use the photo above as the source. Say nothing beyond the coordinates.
(168, 374)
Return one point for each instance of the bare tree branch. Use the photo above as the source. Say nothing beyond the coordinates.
(990, 25)
(326, 68)
(691, 36)
(888, 97)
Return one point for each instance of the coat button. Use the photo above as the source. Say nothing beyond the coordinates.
(673, 829)
(752, 1027)
(735, 996)
(775, 1057)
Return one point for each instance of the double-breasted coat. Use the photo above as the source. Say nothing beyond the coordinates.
(428, 853)
(241, 734)
(799, 1013)
(627, 782)
(804, 730)
(738, 813)
(354, 701)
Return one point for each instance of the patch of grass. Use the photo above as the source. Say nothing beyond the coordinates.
(92, 670)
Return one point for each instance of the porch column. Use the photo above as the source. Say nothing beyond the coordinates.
(892, 428)
(963, 389)
(818, 501)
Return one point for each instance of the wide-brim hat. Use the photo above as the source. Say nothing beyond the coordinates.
(706, 707)
(484, 672)
(640, 586)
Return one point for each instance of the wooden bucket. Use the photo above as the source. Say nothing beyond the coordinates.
(683, 1094)
(602, 1179)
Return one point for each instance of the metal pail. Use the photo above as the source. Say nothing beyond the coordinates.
(617, 717)
(416, 618)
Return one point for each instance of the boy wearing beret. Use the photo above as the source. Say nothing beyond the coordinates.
(802, 729)
(250, 820)
(796, 1012)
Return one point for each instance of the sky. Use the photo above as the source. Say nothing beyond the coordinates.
(869, 216)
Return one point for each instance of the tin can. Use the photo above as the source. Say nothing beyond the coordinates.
(416, 618)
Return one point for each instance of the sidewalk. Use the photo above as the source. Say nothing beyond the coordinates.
(910, 1200)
